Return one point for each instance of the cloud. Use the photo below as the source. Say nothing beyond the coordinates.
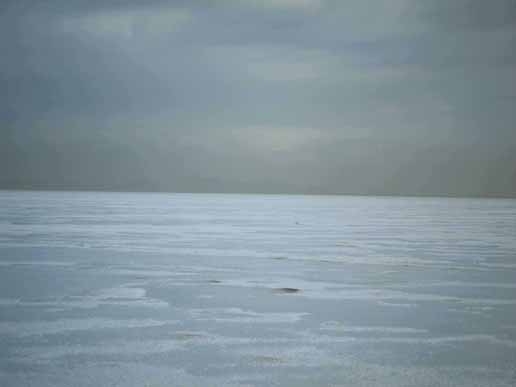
(304, 5)
(302, 96)
(275, 139)
(472, 15)
(127, 23)
(271, 62)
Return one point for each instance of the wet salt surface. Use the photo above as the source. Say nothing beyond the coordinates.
(255, 290)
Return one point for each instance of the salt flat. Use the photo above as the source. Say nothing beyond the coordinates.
(140, 289)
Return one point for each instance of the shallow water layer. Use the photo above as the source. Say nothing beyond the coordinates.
(112, 289)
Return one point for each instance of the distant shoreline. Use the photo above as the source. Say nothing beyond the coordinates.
(100, 190)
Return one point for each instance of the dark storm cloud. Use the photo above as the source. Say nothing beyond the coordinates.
(409, 97)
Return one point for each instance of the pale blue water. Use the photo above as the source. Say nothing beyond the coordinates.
(112, 289)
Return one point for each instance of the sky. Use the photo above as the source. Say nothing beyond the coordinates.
(377, 97)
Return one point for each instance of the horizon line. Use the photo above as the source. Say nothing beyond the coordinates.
(400, 195)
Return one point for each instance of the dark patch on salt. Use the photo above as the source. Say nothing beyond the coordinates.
(214, 281)
(182, 336)
(268, 359)
(287, 290)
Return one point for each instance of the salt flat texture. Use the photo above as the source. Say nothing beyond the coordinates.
(140, 289)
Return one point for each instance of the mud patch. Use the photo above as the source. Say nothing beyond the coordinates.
(267, 360)
(185, 335)
(287, 290)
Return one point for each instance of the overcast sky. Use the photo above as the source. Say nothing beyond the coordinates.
(278, 96)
